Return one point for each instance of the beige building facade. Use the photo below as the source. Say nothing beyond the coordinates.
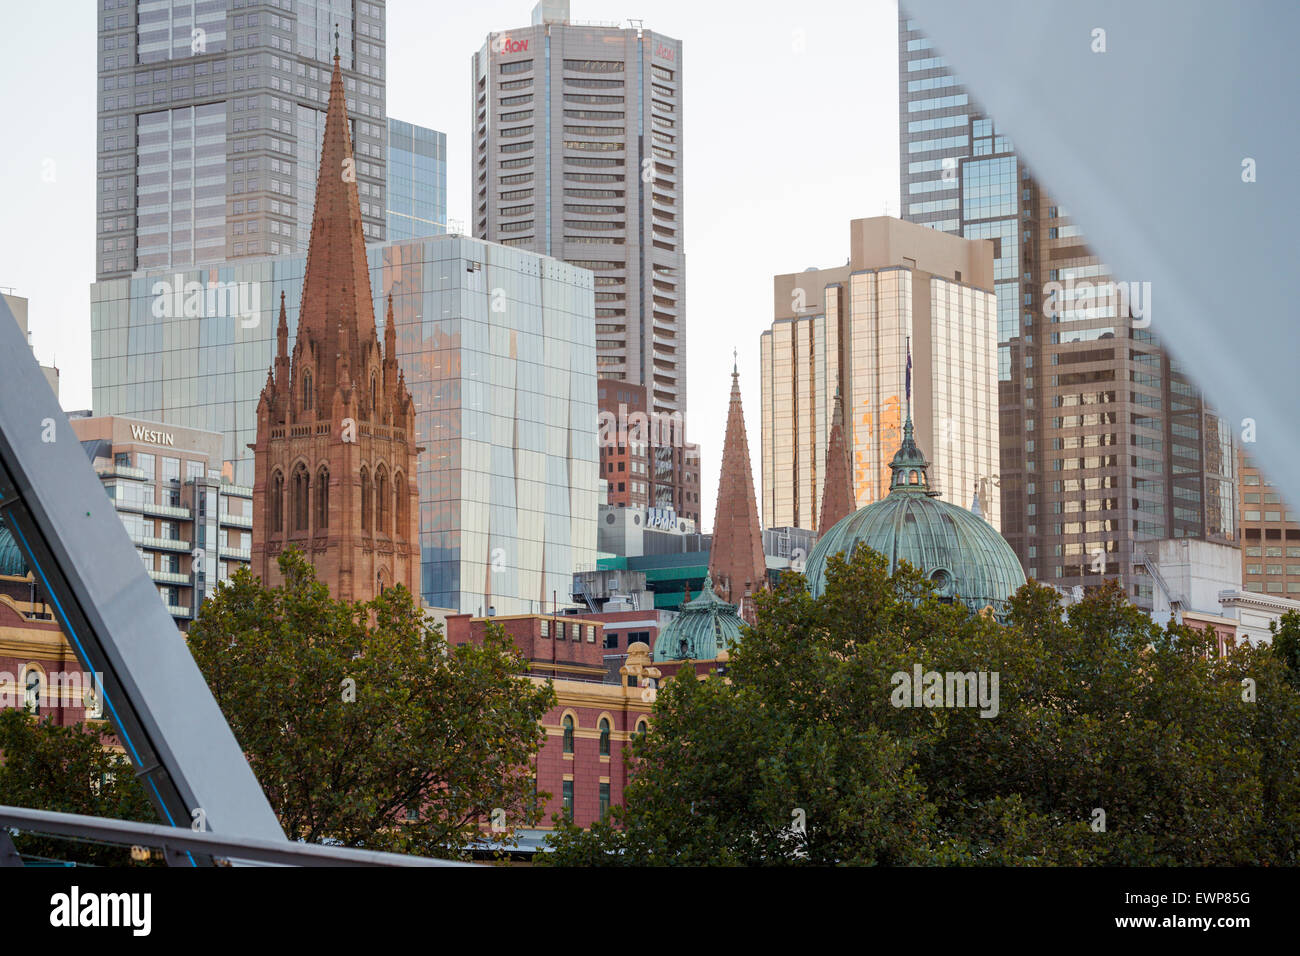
(848, 328)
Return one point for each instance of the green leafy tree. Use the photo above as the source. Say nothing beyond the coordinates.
(364, 727)
(73, 769)
(1113, 740)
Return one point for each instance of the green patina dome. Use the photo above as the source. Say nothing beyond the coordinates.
(956, 549)
(12, 560)
(702, 628)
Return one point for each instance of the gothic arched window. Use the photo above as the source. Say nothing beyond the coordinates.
(365, 499)
(568, 733)
(277, 501)
(323, 497)
(604, 736)
(306, 391)
(399, 505)
(381, 500)
(374, 394)
(301, 490)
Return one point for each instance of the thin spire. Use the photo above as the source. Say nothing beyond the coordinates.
(838, 500)
(336, 40)
(736, 559)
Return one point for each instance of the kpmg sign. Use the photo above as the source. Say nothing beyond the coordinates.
(140, 433)
(663, 519)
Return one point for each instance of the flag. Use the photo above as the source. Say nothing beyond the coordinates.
(909, 370)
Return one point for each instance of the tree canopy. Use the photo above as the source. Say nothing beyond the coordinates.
(364, 727)
(1113, 741)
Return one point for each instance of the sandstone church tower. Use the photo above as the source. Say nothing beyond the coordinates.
(335, 456)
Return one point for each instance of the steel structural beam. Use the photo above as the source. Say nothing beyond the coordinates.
(279, 852)
(110, 612)
(1168, 132)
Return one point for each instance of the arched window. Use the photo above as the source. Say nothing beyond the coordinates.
(641, 727)
(568, 733)
(365, 499)
(33, 686)
(381, 500)
(604, 737)
(301, 490)
(399, 505)
(306, 390)
(277, 501)
(323, 497)
(374, 395)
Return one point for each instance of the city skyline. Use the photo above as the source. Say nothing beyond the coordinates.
(773, 188)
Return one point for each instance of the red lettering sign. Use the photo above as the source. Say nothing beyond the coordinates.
(664, 51)
(507, 45)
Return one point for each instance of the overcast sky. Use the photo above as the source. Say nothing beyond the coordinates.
(790, 129)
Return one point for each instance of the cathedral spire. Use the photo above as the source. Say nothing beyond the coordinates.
(736, 562)
(838, 500)
(337, 312)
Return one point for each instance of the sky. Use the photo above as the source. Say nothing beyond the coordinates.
(789, 131)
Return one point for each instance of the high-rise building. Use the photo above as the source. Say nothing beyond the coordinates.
(847, 330)
(578, 155)
(1270, 536)
(417, 181)
(191, 525)
(505, 396)
(645, 459)
(335, 455)
(1105, 443)
(210, 123)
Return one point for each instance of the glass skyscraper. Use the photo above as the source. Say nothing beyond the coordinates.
(498, 349)
(210, 120)
(417, 181)
(1105, 443)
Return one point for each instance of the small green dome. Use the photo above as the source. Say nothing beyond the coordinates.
(956, 549)
(12, 560)
(702, 628)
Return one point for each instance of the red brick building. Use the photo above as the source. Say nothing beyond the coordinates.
(581, 763)
(335, 456)
(644, 456)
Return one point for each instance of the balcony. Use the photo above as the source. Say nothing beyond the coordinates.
(177, 611)
(120, 471)
(239, 521)
(166, 511)
(241, 554)
(161, 544)
(171, 577)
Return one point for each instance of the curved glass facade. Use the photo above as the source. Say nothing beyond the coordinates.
(498, 349)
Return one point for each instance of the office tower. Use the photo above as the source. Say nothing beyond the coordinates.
(1270, 536)
(335, 455)
(18, 306)
(578, 155)
(417, 181)
(505, 397)
(1105, 443)
(737, 567)
(644, 456)
(848, 329)
(190, 524)
(210, 122)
